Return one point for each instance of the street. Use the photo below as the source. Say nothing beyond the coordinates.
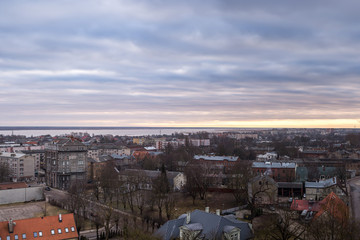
(355, 197)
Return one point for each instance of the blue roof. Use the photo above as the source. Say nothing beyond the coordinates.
(211, 223)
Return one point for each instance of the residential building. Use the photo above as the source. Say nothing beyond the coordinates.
(319, 190)
(22, 166)
(66, 162)
(205, 225)
(176, 180)
(222, 162)
(270, 156)
(48, 227)
(279, 171)
(263, 190)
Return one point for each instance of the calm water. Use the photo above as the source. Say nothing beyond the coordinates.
(120, 132)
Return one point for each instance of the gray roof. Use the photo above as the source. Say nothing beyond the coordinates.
(211, 223)
(216, 158)
(273, 165)
(321, 184)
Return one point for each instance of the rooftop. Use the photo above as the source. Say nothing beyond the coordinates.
(216, 158)
(49, 228)
(273, 165)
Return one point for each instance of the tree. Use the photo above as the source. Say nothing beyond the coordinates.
(239, 178)
(5, 172)
(280, 226)
(161, 189)
(76, 202)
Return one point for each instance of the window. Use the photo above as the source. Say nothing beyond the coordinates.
(35, 234)
(7, 237)
(40, 234)
(24, 236)
(67, 230)
(59, 230)
(234, 236)
(52, 231)
(16, 237)
(72, 229)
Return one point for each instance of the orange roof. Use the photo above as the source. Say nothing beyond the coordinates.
(41, 226)
(335, 206)
(12, 185)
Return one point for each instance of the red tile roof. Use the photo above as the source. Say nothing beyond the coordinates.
(13, 185)
(333, 205)
(300, 205)
(44, 225)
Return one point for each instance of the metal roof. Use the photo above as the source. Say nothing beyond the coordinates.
(216, 158)
(273, 165)
(212, 225)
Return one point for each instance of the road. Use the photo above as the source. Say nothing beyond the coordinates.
(355, 197)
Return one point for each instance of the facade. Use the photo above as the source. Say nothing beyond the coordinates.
(39, 156)
(205, 225)
(48, 227)
(22, 166)
(95, 151)
(263, 190)
(319, 190)
(176, 180)
(221, 162)
(279, 171)
(66, 163)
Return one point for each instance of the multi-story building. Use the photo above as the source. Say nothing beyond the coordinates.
(281, 172)
(66, 162)
(95, 151)
(39, 156)
(22, 166)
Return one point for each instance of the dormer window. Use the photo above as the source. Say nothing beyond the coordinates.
(72, 229)
(16, 237)
(52, 231)
(35, 234)
(24, 236)
(40, 234)
(59, 230)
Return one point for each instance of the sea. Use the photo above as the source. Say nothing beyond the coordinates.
(120, 131)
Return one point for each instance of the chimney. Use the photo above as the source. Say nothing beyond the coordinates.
(60, 218)
(218, 212)
(188, 217)
(11, 226)
(207, 209)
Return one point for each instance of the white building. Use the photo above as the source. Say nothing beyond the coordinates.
(21, 165)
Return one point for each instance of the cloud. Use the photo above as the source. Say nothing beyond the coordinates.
(129, 63)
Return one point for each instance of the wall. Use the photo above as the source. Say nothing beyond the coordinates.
(21, 195)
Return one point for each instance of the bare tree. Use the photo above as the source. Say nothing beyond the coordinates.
(169, 205)
(238, 181)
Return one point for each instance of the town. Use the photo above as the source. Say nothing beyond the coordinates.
(233, 184)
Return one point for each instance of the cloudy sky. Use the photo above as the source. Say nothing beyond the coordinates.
(213, 63)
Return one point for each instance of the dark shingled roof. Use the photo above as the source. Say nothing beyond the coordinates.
(212, 224)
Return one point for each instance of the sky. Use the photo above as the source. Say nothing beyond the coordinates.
(157, 63)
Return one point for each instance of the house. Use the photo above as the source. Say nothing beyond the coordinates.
(49, 228)
(319, 190)
(269, 156)
(333, 206)
(205, 225)
(176, 180)
(279, 171)
(222, 162)
(264, 189)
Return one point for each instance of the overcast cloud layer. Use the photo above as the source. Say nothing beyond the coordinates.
(179, 63)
